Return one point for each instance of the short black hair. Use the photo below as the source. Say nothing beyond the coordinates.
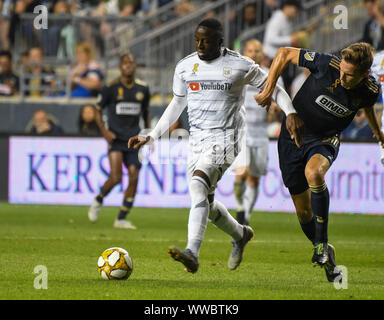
(6, 53)
(295, 3)
(213, 24)
(127, 54)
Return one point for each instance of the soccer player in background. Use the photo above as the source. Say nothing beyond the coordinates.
(309, 139)
(252, 162)
(210, 82)
(126, 100)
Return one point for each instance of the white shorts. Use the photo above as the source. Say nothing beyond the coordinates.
(211, 156)
(255, 158)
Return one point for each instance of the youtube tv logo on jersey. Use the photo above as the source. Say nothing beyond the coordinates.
(214, 86)
(195, 86)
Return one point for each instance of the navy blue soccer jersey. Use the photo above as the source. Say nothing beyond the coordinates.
(124, 107)
(322, 103)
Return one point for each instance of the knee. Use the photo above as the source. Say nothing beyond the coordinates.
(198, 189)
(241, 173)
(197, 184)
(115, 178)
(253, 181)
(314, 176)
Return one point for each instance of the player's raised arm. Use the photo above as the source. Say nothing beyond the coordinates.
(169, 117)
(283, 56)
(280, 96)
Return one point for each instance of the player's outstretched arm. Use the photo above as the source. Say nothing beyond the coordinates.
(374, 124)
(283, 56)
(168, 118)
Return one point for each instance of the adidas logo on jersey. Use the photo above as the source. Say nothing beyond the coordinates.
(197, 86)
(333, 107)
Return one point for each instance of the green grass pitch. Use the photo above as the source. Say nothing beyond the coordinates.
(276, 263)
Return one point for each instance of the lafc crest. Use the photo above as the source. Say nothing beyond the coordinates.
(227, 72)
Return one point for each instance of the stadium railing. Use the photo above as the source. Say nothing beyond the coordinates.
(59, 84)
(159, 40)
(161, 48)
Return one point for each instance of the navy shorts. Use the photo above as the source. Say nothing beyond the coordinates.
(293, 160)
(130, 155)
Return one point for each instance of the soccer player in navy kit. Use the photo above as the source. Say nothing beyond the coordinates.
(309, 140)
(126, 100)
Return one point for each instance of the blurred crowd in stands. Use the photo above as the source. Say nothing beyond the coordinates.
(86, 77)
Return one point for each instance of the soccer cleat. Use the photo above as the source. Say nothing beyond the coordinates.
(186, 257)
(238, 248)
(94, 210)
(331, 270)
(123, 224)
(320, 254)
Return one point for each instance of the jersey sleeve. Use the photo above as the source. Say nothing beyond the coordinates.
(374, 98)
(146, 99)
(179, 85)
(316, 62)
(256, 76)
(145, 107)
(104, 97)
(377, 70)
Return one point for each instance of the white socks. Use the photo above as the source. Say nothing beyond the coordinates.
(222, 219)
(201, 210)
(250, 196)
(198, 215)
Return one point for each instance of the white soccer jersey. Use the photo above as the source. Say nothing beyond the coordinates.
(256, 118)
(214, 89)
(377, 71)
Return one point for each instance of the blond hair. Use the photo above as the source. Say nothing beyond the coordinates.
(87, 48)
(359, 54)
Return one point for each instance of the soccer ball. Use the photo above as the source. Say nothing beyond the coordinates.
(115, 264)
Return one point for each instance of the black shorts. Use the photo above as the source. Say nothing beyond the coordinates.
(130, 155)
(293, 160)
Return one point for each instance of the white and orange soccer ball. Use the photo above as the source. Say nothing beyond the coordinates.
(115, 264)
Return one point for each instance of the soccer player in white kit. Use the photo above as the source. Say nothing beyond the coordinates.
(210, 82)
(377, 69)
(252, 162)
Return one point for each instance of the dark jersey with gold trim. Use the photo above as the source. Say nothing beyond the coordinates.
(322, 103)
(125, 106)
